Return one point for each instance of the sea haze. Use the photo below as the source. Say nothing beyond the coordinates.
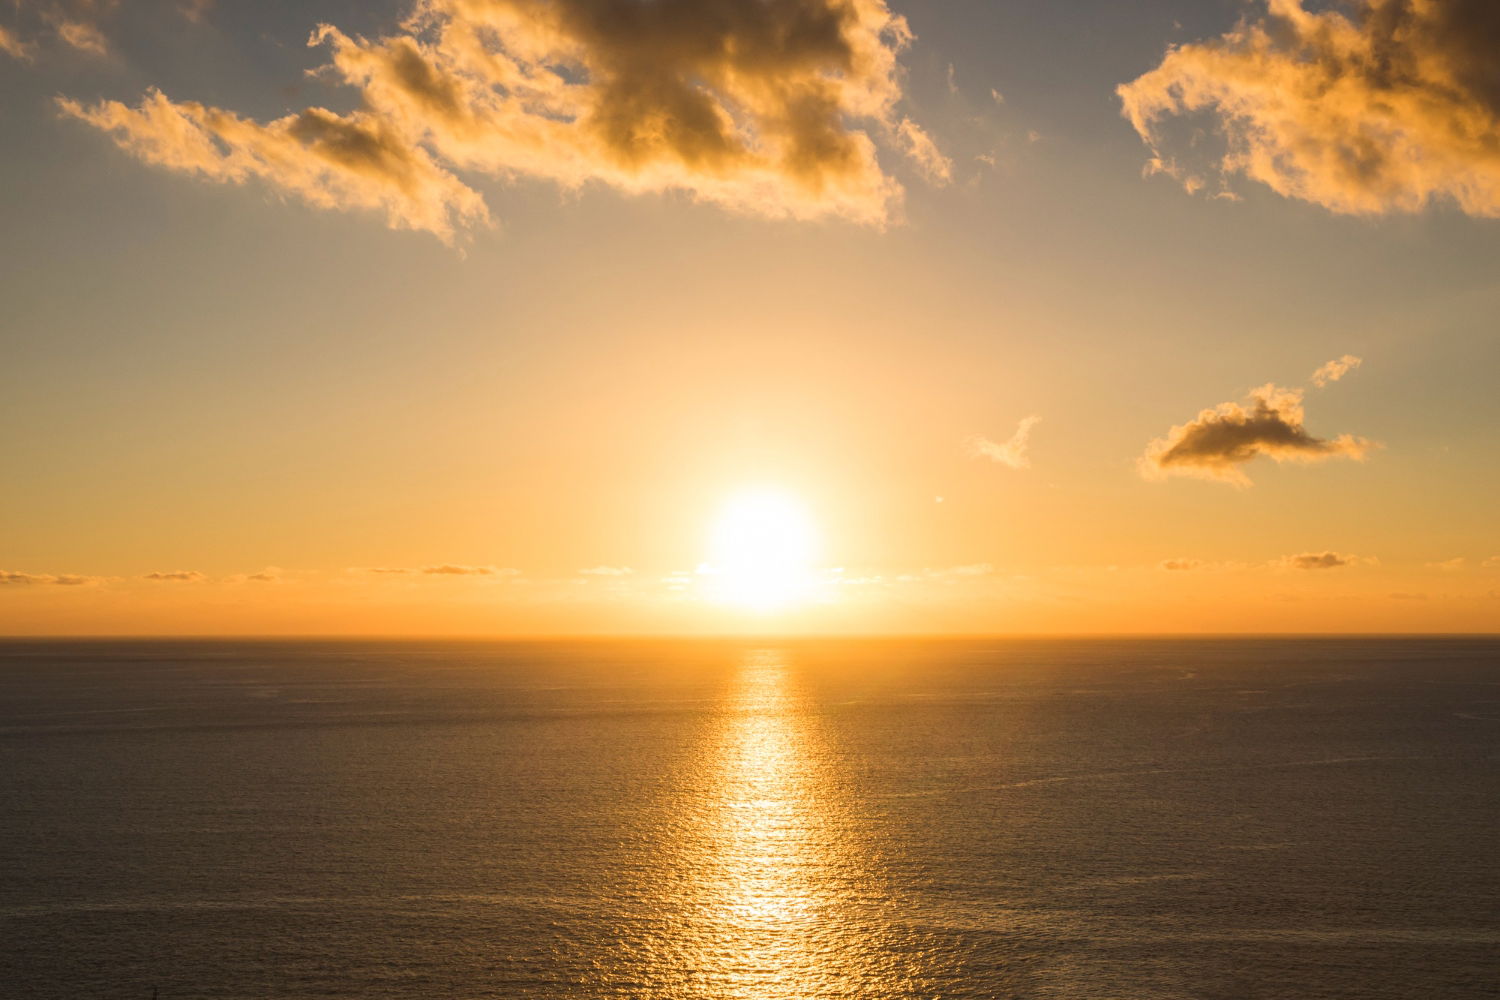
(1132, 819)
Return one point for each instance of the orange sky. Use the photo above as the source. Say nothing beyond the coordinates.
(478, 329)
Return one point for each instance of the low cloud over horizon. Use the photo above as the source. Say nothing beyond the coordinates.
(1366, 107)
(1319, 560)
(771, 109)
(13, 578)
(444, 569)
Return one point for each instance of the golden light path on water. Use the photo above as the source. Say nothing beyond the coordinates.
(781, 902)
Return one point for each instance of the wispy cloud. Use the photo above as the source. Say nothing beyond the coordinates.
(83, 36)
(1335, 370)
(1369, 106)
(359, 160)
(75, 23)
(771, 109)
(12, 45)
(1011, 453)
(1220, 441)
(1448, 565)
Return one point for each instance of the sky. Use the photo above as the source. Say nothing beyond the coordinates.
(475, 317)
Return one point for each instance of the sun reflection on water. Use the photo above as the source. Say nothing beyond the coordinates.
(781, 899)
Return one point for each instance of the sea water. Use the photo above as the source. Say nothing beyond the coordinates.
(766, 820)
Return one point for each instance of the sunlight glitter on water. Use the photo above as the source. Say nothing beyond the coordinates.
(781, 878)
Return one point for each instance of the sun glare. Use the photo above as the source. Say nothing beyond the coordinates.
(762, 551)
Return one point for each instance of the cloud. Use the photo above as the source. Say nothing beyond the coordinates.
(176, 576)
(448, 569)
(607, 571)
(12, 45)
(1182, 565)
(1318, 560)
(1365, 107)
(195, 10)
(765, 108)
(1216, 443)
(1493, 562)
(924, 152)
(11, 578)
(1448, 565)
(1010, 453)
(83, 36)
(1335, 370)
(445, 569)
(76, 23)
(328, 160)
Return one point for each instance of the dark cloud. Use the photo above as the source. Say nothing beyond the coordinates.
(1367, 106)
(1218, 442)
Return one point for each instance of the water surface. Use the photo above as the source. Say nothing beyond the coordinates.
(1055, 819)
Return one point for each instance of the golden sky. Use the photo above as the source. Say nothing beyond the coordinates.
(503, 317)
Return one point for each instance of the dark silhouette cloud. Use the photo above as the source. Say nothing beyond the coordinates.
(1218, 442)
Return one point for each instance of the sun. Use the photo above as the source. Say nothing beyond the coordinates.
(762, 549)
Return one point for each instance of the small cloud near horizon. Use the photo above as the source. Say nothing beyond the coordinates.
(1318, 560)
(443, 569)
(176, 576)
(13, 578)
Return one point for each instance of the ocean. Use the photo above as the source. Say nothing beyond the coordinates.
(1105, 818)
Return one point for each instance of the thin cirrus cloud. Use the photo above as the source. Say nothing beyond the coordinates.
(1219, 442)
(175, 576)
(1011, 453)
(771, 109)
(1368, 107)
